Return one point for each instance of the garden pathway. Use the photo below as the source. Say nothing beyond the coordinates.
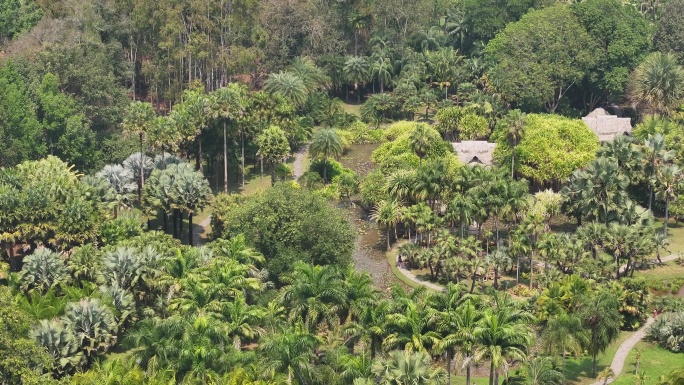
(621, 355)
(200, 231)
(417, 280)
(298, 165)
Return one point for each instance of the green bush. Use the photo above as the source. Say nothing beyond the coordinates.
(399, 128)
(288, 224)
(119, 229)
(372, 188)
(333, 168)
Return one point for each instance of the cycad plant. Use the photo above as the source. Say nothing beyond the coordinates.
(61, 344)
(93, 325)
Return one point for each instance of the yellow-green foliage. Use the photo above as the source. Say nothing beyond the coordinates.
(399, 128)
(400, 145)
(346, 139)
(552, 148)
(472, 127)
(360, 133)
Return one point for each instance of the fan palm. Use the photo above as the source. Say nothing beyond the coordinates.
(670, 181)
(228, 104)
(406, 367)
(121, 181)
(139, 120)
(655, 156)
(93, 325)
(61, 344)
(43, 270)
(658, 83)
(515, 122)
(326, 143)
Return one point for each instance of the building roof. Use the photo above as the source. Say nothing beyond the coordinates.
(475, 151)
(607, 126)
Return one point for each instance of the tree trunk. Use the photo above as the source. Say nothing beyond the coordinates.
(491, 372)
(242, 134)
(225, 161)
(667, 214)
(175, 223)
(388, 238)
(382, 87)
(200, 160)
(190, 240)
(468, 374)
(512, 162)
(496, 277)
(564, 362)
(448, 367)
(164, 221)
(142, 169)
(325, 170)
(593, 366)
(273, 176)
(180, 225)
(531, 269)
(650, 196)
(472, 285)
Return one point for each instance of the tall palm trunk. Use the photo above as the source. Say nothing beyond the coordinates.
(180, 224)
(468, 374)
(388, 238)
(190, 240)
(325, 170)
(531, 268)
(273, 176)
(650, 196)
(225, 161)
(142, 169)
(448, 366)
(491, 372)
(667, 214)
(512, 162)
(242, 134)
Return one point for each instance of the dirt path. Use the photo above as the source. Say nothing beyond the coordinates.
(298, 165)
(200, 231)
(417, 280)
(623, 351)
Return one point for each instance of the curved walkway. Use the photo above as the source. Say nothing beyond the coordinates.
(623, 351)
(200, 230)
(408, 274)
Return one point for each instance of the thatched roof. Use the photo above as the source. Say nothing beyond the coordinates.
(475, 151)
(607, 126)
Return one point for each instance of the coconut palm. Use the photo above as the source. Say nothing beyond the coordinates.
(273, 148)
(43, 270)
(515, 123)
(670, 181)
(357, 71)
(387, 213)
(288, 86)
(326, 143)
(658, 83)
(406, 367)
(139, 120)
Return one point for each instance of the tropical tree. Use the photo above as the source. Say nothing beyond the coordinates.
(500, 261)
(564, 334)
(601, 318)
(515, 123)
(43, 270)
(121, 181)
(189, 193)
(670, 181)
(93, 325)
(540, 371)
(381, 68)
(504, 335)
(61, 344)
(657, 84)
(420, 140)
(288, 86)
(139, 120)
(388, 214)
(406, 367)
(461, 336)
(273, 148)
(326, 143)
(289, 352)
(656, 156)
(357, 71)
(228, 104)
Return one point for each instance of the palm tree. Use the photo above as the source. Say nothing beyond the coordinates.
(676, 377)
(93, 324)
(461, 327)
(410, 328)
(382, 68)
(476, 267)
(229, 105)
(273, 148)
(356, 70)
(601, 317)
(43, 270)
(594, 236)
(406, 367)
(670, 178)
(197, 109)
(387, 214)
(313, 77)
(658, 83)
(499, 260)
(121, 181)
(61, 344)
(564, 334)
(290, 352)
(420, 140)
(503, 334)
(456, 26)
(540, 371)
(656, 155)
(288, 86)
(139, 120)
(605, 375)
(327, 144)
(370, 329)
(242, 320)
(515, 122)
(190, 193)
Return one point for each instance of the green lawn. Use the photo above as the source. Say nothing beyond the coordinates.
(665, 279)
(578, 370)
(655, 361)
(354, 109)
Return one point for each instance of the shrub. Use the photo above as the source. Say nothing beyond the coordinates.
(668, 330)
(121, 228)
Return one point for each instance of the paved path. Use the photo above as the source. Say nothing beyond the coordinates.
(417, 280)
(623, 351)
(199, 230)
(298, 165)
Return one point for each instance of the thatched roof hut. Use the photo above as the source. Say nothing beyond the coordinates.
(475, 151)
(607, 126)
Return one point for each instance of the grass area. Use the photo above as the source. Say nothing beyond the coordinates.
(654, 362)
(578, 370)
(665, 279)
(676, 237)
(354, 109)
(392, 261)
